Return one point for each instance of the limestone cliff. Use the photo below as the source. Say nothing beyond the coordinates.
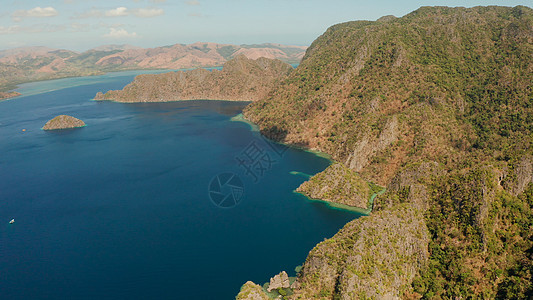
(378, 95)
(370, 258)
(240, 79)
(438, 107)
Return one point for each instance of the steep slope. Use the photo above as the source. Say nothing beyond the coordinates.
(438, 107)
(241, 79)
(429, 85)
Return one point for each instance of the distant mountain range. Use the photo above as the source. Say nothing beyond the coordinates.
(241, 79)
(41, 63)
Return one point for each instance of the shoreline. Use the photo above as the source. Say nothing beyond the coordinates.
(15, 86)
(363, 211)
(340, 206)
(168, 101)
(240, 118)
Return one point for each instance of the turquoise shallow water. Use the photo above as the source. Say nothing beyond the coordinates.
(122, 208)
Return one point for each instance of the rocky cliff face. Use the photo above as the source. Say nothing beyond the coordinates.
(373, 257)
(378, 95)
(240, 79)
(437, 107)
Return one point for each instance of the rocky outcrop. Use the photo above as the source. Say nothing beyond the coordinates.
(252, 291)
(7, 95)
(337, 184)
(519, 176)
(374, 257)
(241, 79)
(63, 122)
(410, 185)
(279, 281)
(368, 146)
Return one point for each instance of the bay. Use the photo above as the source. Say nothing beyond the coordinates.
(123, 208)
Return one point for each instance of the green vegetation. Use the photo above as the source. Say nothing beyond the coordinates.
(438, 107)
(482, 242)
(227, 51)
(456, 79)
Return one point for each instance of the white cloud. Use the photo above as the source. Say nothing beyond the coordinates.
(119, 33)
(117, 12)
(158, 1)
(36, 12)
(148, 12)
(193, 2)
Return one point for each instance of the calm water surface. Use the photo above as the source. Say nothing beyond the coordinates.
(120, 209)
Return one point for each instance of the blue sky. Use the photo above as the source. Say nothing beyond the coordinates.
(84, 24)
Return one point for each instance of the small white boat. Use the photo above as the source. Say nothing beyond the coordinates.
(12, 221)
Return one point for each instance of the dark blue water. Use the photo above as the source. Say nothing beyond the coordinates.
(120, 209)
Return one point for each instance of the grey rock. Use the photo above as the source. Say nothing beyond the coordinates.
(279, 281)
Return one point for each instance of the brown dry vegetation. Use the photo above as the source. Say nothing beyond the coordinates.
(241, 79)
(437, 106)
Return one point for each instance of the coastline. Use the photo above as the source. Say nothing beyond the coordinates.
(18, 85)
(334, 205)
(240, 118)
(68, 128)
(167, 101)
(364, 211)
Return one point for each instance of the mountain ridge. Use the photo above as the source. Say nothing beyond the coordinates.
(241, 79)
(41, 63)
(436, 106)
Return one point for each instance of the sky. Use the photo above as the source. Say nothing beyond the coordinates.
(83, 24)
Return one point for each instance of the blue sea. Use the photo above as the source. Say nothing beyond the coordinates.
(148, 201)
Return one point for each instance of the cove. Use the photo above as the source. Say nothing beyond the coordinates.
(123, 208)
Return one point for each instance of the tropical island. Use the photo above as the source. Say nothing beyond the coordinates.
(437, 107)
(63, 122)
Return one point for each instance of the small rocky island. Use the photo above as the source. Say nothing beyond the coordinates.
(7, 95)
(241, 79)
(63, 122)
